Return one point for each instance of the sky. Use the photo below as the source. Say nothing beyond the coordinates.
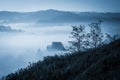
(65, 5)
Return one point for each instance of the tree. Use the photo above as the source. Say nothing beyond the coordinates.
(78, 36)
(95, 35)
(111, 38)
(83, 40)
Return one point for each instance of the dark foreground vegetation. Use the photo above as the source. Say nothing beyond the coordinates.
(101, 63)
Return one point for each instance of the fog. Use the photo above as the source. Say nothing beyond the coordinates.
(17, 49)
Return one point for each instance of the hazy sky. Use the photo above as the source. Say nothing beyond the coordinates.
(67, 5)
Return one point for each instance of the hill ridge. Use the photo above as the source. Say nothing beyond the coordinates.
(55, 16)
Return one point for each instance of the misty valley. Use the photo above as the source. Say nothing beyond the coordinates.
(23, 41)
(20, 48)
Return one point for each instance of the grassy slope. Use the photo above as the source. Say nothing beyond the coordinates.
(97, 64)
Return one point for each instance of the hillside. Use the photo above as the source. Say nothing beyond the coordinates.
(55, 16)
(102, 63)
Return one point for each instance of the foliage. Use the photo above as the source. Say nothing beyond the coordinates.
(112, 38)
(78, 35)
(95, 35)
(82, 39)
(101, 63)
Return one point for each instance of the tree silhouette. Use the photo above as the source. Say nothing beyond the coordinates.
(112, 38)
(78, 36)
(95, 35)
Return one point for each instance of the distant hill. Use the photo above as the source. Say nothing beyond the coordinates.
(56, 46)
(55, 16)
(102, 63)
(8, 29)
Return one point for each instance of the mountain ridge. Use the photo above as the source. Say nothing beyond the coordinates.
(56, 16)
